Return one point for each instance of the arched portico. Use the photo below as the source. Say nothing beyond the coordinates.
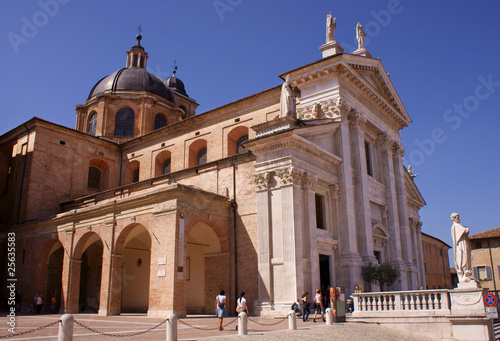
(131, 269)
(207, 269)
(50, 267)
(85, 278)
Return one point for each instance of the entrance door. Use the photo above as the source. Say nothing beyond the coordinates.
(324, 270)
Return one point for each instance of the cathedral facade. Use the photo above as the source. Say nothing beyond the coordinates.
(147, 206)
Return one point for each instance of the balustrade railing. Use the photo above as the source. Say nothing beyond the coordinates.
(436, 302)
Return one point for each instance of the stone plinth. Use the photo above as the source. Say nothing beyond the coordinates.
(467, 300)
(362, 52)
(331, 48)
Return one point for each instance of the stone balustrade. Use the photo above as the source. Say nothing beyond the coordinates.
(458, 313)
(418, 302)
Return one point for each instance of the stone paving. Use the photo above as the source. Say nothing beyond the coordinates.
(268, 329)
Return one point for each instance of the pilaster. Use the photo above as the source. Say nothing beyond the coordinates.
(264, 236)
(386, 147)
(363, 214)
(406, 246)
(350, 260)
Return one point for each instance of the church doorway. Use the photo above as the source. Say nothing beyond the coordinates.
(90, 276)
(203, 265)
(136, 266)
(54, 275)
(324, 270)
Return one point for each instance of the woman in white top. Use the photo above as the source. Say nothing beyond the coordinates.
(220, 307)
(242, 304)
(318, 305)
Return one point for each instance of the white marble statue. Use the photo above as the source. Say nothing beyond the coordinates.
(461, 250)
(287, 101)
(331, 26)
(360, 36)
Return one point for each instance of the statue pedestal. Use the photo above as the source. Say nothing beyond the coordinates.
(331, 48)
(362, 52)
(468, 313)
(467, 300)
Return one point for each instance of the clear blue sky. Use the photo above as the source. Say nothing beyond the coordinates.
(440, 55)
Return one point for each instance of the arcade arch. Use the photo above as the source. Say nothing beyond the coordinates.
(52, 257)
(134, 245)
(87, 272)
(203, 250)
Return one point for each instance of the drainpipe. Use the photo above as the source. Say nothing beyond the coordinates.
(22, 177)
(492, 267)
(235, 206)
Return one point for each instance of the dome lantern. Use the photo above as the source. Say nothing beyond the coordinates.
(137, 56)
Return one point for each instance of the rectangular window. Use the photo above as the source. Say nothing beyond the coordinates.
(481, 273)
(368, 155)
(320, 211)
(478, 245)
(425, 267)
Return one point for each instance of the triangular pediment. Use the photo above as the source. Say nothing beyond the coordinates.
(380, 84)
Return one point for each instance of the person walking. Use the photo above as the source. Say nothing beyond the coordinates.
(241, 304)
(220, 307)
(305, 307)
(318, 305)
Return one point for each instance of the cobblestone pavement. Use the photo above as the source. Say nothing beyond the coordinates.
(259, 328)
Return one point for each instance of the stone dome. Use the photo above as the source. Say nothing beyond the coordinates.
(135, 79)
(176, 84)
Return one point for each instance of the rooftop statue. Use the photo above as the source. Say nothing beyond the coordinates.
(461, 249)
(287, 101)
(360, 36)
(331, 26)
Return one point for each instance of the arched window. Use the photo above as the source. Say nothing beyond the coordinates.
(160, 121)
(240, 149)
(202, 156)
(92, 123)
(94, 178)
(132, 172)
(184, 114)
(235, 139)
(124, 122)
(197, 153)
(166, 166)
(135, 175)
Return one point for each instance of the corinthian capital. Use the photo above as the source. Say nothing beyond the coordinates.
(356, 118)
(289, 176)
(309, 181)
(387, 143)
(335, 191)
(262, 180)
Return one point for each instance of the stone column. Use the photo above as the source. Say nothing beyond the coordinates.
(420, 255)
(386, 148)
(403, 214)
(363, 213)
(350, 260)
(310, 227)
(292, 209)
(264, 236)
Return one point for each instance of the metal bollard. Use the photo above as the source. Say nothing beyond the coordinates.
(292, 320)
(172, 327)
(66, 328)
(242, 323)
(329, 316)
